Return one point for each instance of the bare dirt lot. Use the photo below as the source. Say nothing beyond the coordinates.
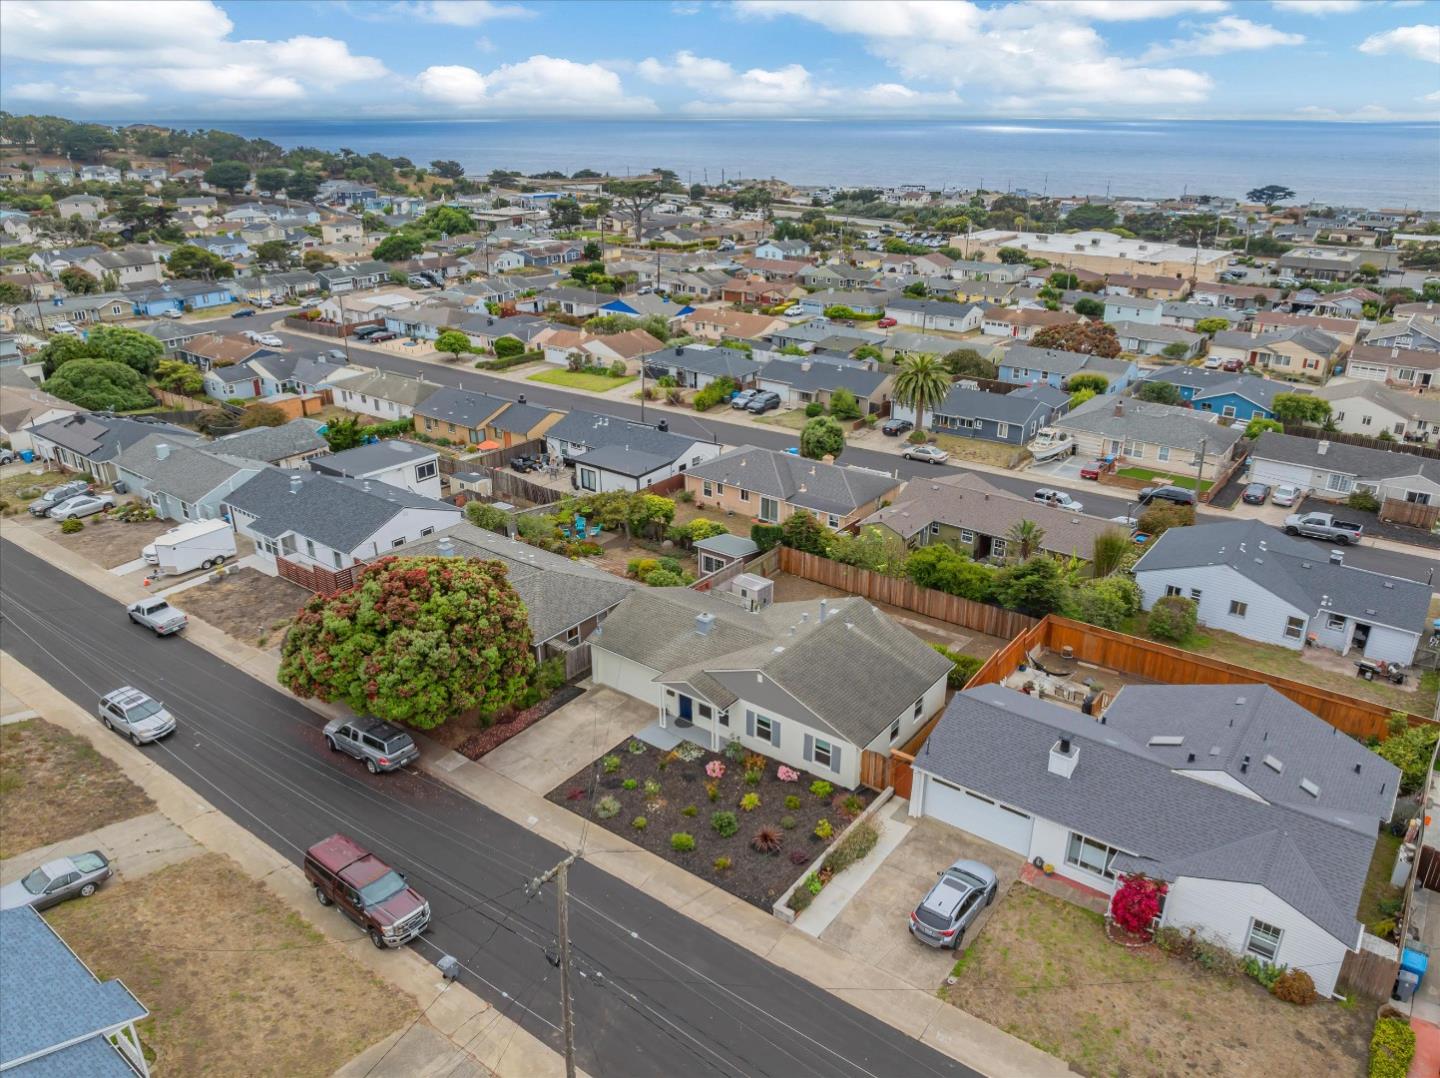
(109, 543)
(235, 983)
(1044, 971)
(54, 785)
(22, 487)
(247, 605)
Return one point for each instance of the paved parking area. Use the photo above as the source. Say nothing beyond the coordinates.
(1066, 468)
(875, 922)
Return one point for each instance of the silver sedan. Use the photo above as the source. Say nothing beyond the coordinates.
(83, 506)
(57, 880)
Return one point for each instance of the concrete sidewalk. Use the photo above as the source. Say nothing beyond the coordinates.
(136, 847)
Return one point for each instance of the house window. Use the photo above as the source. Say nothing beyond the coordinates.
(1417, 497)
(894, 729)
(704, 710)
(832, 521)
(744, 494)
(1134, 449)
(1090, 855)
(1340, 483)
(707, 490)
(1263, 940)
(1335, 622)
(763, 727)
(310, 547)
(769, 510)
(1365, 420)
(1294, 628)
(426, 531)
(587, 479)
(934, 529)
(428, 470)
(821, 756)
(1228, 411)
(998, 547)
(720, 490)
(572, 635)
(1237, 608)
(1195, 594)
(966, 535)
(1002, 430)
(335, 556)
(1171, 589)
(1163, 453)
(397, 542)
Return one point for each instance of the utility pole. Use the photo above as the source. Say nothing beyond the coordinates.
(1200, 468)
(560, 873)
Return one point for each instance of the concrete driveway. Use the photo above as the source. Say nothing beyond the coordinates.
(1063, 468)
(567, 739)
(875, 923)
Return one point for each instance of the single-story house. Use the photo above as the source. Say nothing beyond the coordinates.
(181, 481)
(935, 314)
(1163, 437)
(696, 366)
(781, 680)
(1246, 578)
(1148, 285)
(965, 512)
(329, 522)
(425, 321)
(295, 372)
(1233, 396)
(565, 600)
(716, 323)
(172, 333)
(89, 442)
(1122, 308)
(578, 435)
(1261, 820)
(24, 405)
(802, 379)
(815, 304)
(1022, 323)
(808, 335)
(1373, 408)
(768, 486)
(1234, 296)
(407, 465)
(135, 265)
(628, 347)
(350, 278)
(231, 382)
(1418, 332)
(56, 1016)
(1026, 365)
(1008, 418)
(215, 350)
(289, 445)
(782, 249)
(1335, 470)
(1185, 314)
(467, 417)
(178, 296)
(1410, 368)
(647, 306)
(383, 394)
(1291, 351)
(485, 329)
(1151, 340)
(1344, 330)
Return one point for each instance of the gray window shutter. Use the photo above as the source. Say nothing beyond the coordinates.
(749, 723)
(834, 757)
(809, 747)
(775, 733)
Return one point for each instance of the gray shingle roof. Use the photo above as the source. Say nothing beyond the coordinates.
(364, 459)
(716, 362)
(49, 998)
(558, 593)
(1211, 384)
(1154, 424)
(188, 473)
(1357, 460)
(1295, 571)
(1065, 364)
(271, 444)
(728, 545)
(978, 404)
(386, 385)
(997, 741)
(460, 406)
(339, 513)
(823, 375)
(811, 484)
(521, 418)
(594, 430)
(100, 437)
(621, 460)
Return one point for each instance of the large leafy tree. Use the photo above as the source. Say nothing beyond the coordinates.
(453, 342)
(968, 362)
(128, 346)
(1035, 587)
(1090, 338)
(100, 384)
(231, 175)
(1270, 194)
(822, 436)
(1159, 392)
(79, 282)
(636, 198)
(1297, 408)
(190, 261)
(416, 641)
(921, 384)
(801, 531)
(398, 247)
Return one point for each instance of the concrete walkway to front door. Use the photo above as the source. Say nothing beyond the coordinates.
(569, 738)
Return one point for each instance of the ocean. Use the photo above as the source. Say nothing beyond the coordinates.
(1351, 164)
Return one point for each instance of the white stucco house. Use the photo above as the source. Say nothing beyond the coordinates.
(1247, 578)
(1335, 470)
(807, 684)
(393, 461)
(1259, 816)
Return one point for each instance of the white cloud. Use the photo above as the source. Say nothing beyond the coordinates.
(1418, 42)
(1228, 34)
(787, 91)
(459, 12)
(146, 52)
(1030, 55)
(1432, 96)
(1319, 7)
(539, 85)
(78, 95)
(1131, 10)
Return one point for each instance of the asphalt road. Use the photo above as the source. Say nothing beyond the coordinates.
(1414, 566)
(656, 993)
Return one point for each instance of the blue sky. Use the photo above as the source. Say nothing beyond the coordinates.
(1120, 59)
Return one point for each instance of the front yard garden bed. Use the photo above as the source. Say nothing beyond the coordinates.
(247, 605)
(1174, 479)
(1044, 971)
(754, 849)
(470, 737)
(107, 542)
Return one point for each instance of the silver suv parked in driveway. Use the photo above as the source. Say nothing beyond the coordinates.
(136, 715)
(964, 889)
(42, 505)
(381, 746)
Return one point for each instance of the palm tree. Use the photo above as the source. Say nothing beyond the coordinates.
(1025, 536)
(921, 384)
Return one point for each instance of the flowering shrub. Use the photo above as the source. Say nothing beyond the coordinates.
(787, 774)
(1137, 903)
(821, 788)
(750, 802)
(824, 829)
(715, 769)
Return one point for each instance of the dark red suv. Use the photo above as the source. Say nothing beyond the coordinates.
(368, 891)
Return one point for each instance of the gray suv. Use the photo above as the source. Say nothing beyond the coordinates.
(383, 747)
(56, 495)
(964, 889)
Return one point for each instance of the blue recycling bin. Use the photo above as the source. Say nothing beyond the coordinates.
(28, 456)
(1414, 962)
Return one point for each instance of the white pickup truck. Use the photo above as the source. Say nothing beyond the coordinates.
(1323, 526)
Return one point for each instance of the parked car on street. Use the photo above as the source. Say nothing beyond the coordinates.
(1058, 498)
(886, 323)
(337, 354)
(763, 401)
(244, 312)
(156, 614)
(42, 505)
(76, 876)
(953, 904)
(368, 891)
(380, 746)
(172, 314)
(269, 340)
(927, 454)
(1255, 493)
(134, 714)
(1285, 495)
(1323, 526)
(896, 427)
(82, 505)
(1177, 495)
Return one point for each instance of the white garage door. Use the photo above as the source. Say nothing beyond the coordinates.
(1277, 472)
(981, 816)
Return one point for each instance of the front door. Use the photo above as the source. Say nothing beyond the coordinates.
(686, 709)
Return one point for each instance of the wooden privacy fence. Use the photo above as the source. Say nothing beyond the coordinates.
(1370, 973)
(314, 578)
(1415, 514)
(979, 617)
(494, 458)
(1413, 448)
(505, 484)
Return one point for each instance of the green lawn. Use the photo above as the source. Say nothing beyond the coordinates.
(590, 383)
(1377, 881)
(1146, 475)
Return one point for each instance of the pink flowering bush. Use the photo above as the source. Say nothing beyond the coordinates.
(787, 774)
(715, 769)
